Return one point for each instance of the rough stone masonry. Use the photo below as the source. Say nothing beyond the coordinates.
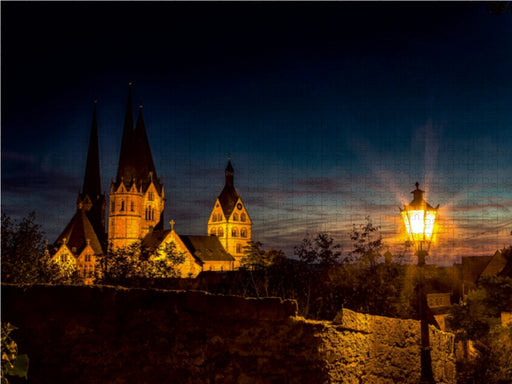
(99, 334)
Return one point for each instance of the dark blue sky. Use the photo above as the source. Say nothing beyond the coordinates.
(331, 112)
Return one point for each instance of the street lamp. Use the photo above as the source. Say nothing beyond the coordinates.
(419, 219)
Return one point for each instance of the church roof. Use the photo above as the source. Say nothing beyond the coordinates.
(203, 248)
(206, 248)
(135, 159)
(229, 195)
(78, 231)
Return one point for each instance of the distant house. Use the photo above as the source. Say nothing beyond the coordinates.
(439, 304)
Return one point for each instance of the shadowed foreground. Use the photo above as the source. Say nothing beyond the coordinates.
(104, 334)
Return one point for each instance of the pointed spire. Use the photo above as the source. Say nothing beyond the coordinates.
(230, 174)
(124, 169)
(145, 166)
(92, 179)
(229, 196)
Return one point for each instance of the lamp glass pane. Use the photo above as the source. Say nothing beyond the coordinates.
(429, 224)
(417, 223)
(406, 222)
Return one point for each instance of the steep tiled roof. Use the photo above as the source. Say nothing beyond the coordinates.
(153, 239)
(78, 231)
(206, 248)
(473, 266)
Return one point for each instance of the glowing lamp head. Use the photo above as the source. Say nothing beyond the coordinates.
(419, 218)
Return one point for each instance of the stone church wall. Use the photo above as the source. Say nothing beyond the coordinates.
(75, 334)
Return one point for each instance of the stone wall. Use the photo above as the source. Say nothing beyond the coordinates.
(112, 335)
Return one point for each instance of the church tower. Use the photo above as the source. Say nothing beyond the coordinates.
(229, 219)
(136, 195)
(91, 200)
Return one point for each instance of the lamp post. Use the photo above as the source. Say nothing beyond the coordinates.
(419, 219)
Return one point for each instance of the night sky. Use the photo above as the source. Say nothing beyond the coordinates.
(331, 112)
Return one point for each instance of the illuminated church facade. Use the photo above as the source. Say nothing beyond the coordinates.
(134, 212)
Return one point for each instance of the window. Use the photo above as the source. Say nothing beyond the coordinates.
(213, 232)
(150, 196)
(214, 217)
(122, 205)
(243, 232)
(234, 232)
(87, 258)
(150, 213)
(64, 257)
(235, 216)
(239, 248)
(219, 216)
(112, 206)
(243, 217)
(220, 232)
(132, 206)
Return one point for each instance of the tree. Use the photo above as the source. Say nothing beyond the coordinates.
(119, 265)
(259, 264)
(370, 285)
(367, 243)
(24, 256)
(478, 320)
(319, 258)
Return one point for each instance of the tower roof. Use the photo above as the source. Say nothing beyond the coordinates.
(135, 159)
(78, 232)
(92, 179)
(229, 195)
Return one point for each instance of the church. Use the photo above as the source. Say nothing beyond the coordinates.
(134, 212)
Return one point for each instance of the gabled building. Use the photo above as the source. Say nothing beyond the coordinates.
(202, 253)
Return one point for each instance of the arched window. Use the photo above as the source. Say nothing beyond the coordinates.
(213, 232)
(214, 217)
(220, 232)
(234, 232)
(235, 216)
(219, 216)
(243, 232)
(243, 218)
(239, 248)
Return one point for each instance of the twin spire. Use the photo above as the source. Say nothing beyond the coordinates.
(135, 160)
